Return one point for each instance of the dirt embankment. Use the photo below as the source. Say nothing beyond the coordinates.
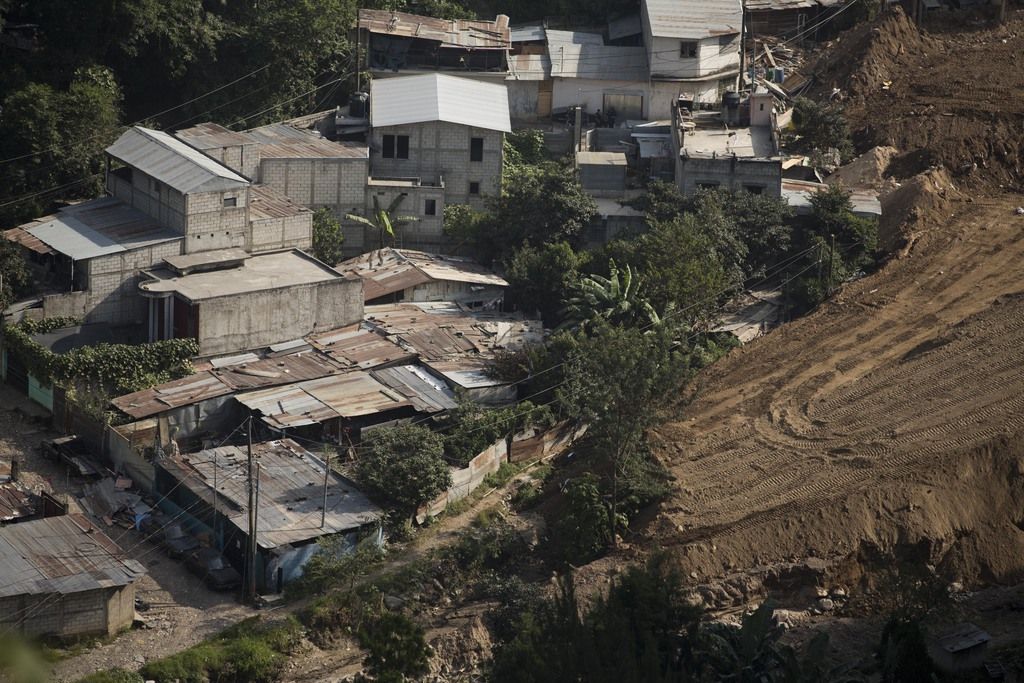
(882, 417)
(949, 98)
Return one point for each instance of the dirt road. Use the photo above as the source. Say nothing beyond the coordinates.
(857, 423)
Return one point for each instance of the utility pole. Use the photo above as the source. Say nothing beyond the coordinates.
(327, 474)
(831, 255)
(743, 46)
(251, 549)
(216, 540)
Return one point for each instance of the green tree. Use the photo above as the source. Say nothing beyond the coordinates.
(582, 533)
(524, 146)
(822, 126)
(397, 648)
(405, 465)
(614, 299)
(14, 273)
(833, 216)
(682, 267)
(327, 237)
(541, 278)
(62, 134)
(383, 219)
(619, 381)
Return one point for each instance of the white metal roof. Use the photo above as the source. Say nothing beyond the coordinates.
(692, 19)
(173, 162)
(584, 55)
(439, 97)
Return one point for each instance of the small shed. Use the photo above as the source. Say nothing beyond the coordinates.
(961, 648)
(602, 171)
(64, 577)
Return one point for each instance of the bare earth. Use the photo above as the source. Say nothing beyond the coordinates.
(862, 422)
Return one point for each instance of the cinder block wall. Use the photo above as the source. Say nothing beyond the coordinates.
(283, 233)
(211, 225)
(441, 150)
(730, 174)
(335, 183)
(103, 611)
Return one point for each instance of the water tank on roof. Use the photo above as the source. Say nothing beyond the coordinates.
(359, 105)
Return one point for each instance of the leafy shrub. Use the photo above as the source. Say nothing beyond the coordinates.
(396, 645)
(583, 532)
(821, 126)
(327, 237)
(113, 676)
(405, 465)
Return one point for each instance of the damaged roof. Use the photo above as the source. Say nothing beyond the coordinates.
(387, 271)
(360, 346)
(281, 141)
(451, 33)
(291, 491)
(65, 554)
(173, 162)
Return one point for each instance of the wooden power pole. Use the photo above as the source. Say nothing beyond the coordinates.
(250, 586)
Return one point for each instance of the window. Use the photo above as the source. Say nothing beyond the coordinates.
(708, 185)
(476, 149)
(230, 201)
(688, 49)
(474, 187)
(396, 147)
(754, 189)
(430, 207)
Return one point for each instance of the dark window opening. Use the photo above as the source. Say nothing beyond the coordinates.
(474, 187)
(708, 186)
(688, 48)
(754, 189)
(403, 147)
(476, 149)
(389, 147)
(230, 201)
(430, 207)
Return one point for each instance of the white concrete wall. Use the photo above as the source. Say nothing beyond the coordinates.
(665, 62)
(568, 92)
(522, 99)
(441, 150)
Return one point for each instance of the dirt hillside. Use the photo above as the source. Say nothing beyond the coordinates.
(950, 98)
(882, 417)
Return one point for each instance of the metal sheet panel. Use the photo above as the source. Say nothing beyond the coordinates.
(423, 98)
(281, 141)
(694, 19)
(584, 55)
(173, 162)
(451, 33)
(427, 394)
(290, 488)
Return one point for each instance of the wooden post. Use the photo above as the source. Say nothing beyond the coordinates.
(253, 502)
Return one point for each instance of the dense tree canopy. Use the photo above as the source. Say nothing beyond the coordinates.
(405, 465)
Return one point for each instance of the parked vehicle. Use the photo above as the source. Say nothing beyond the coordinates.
(177, 542)
(210, 566)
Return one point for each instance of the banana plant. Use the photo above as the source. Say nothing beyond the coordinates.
(615, 298)
(383, 220)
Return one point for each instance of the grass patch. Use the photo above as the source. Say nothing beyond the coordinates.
(113, 676)
(248, 651)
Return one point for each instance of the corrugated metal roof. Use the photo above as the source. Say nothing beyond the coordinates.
(27, 240)
(623, 27)
(181, 392)
(98, 227)
(527, 33)
(267, 203)
(798, 193)
(290, 488)
(600, 159)
(213, 136)
(281, 141)
(426, 393)
(387, 271)
(584, 55)
(353, 394)
(694, 19)
(173, 162)
(439, 97)
(456, 33)
(529, 67)
(15, 503)
(360, 347)
(66, 554)
(466, 373)
(276, 371)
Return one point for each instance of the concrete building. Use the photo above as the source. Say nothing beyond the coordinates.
(693, 47)
(209, 489)
(602, 173)
(715, 150)
(233, 301)
(608, 78)
(401, 43)
(441, 131)
(391, 275)
(64, 577)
